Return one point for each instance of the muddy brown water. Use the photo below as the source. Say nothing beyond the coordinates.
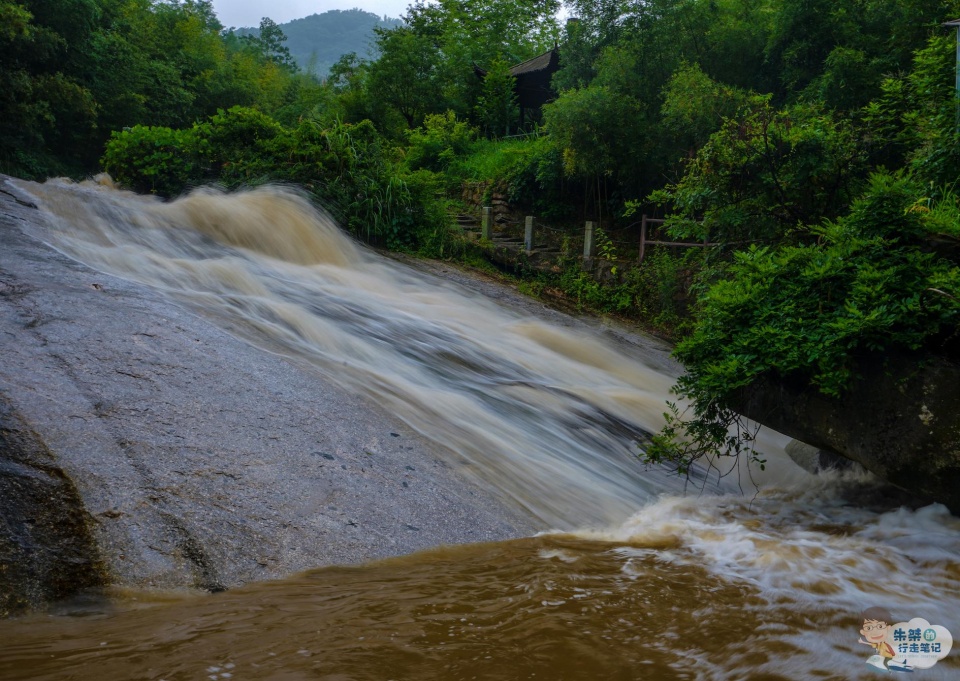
(757, 575)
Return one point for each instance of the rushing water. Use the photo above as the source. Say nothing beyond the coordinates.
(637, 581)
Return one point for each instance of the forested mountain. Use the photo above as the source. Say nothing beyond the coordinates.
(316, 42)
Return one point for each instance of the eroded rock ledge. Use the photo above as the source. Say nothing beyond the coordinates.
(900, 420)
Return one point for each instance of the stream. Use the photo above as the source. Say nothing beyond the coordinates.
(734, 573)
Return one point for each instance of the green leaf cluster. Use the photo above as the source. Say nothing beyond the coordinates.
(766, 173)
(154, 160)
(74, 71)
(427, 65)
(496, 106)
(438, 142)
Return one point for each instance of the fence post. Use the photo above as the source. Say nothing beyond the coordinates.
(486, 223)
(528, 234)
(643, 236)
(588, 242)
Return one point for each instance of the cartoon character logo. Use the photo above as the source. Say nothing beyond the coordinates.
(903, 646)
(876, 626)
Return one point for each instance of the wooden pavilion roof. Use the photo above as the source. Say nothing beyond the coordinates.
(533, 78)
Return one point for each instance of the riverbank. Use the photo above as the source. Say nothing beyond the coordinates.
(197, 460)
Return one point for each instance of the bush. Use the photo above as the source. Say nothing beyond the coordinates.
(343, 165)
(424, 225)
(529, 171)
(153, 160)
(438, 142)
(661, 288)
(765, 174)
(242, 145)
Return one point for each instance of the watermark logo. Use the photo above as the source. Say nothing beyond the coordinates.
(902, 646)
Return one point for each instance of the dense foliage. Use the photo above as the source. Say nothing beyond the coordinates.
(345, 166)
(869, 282)
(73, 71)
(833, 283)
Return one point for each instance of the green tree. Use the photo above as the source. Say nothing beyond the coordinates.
(695, 106)
(487, 28)
(468, 32)
(809, 313)
(352, 100)
(270, 41)
(155, 160)
(440, 140)
(44, 105)
(599, 132)
(405, 75)
(590, 125)
(497, 105)
(840, 52)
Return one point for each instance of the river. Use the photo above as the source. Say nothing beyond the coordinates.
(756, 574)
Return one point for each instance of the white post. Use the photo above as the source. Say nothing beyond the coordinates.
(643, 237)
(528, 234)
(588, 241)
(486, 224)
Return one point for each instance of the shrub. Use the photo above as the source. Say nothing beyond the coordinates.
(661, 288)
(153, 159)
(242, 145)
(765, 174)
(438, 142)
(343, 165)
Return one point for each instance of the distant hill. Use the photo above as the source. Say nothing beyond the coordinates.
(318, 41)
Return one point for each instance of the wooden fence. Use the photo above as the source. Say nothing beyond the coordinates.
(659, 221)
(590, 231)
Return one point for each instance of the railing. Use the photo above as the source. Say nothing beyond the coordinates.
(644, 240)
(590, 231)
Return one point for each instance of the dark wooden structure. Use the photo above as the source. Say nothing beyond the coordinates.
(533, 80)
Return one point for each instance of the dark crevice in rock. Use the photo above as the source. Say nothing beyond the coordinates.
(191, 550)
(27, 204)
(47, 550)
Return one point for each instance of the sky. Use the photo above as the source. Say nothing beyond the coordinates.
(240, 13)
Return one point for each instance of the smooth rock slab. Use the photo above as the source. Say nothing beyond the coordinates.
(198, 459)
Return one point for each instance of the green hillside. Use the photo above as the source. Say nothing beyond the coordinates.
(316, 42)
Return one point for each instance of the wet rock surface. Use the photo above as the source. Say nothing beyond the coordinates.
(188, 457)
